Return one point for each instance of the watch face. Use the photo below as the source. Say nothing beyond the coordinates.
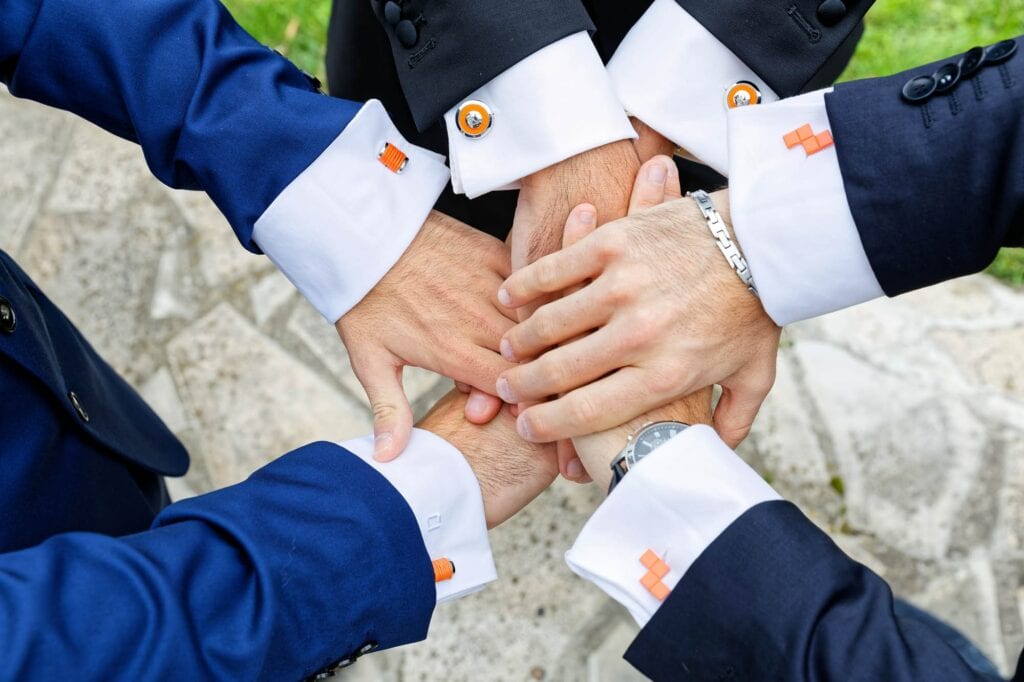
(654, 436)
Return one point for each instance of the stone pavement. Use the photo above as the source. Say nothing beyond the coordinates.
(896, 425)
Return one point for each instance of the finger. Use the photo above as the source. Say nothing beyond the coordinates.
(475, 366)
(565, 368)
(595, 407)
(558, 271)
(569, 464)
(481, 408)
(581, 222)
(489, 328)
(381, 378)
(556, 322)
(649, 188)
(463, 388)
(736, 410)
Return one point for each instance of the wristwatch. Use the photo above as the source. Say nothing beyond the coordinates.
(650, 436)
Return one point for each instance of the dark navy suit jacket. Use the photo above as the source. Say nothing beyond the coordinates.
(312, 559)
(935, 188)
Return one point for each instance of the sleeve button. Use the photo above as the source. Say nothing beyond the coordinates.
(971, 61)
(406, 33)
(831, 12)
(1000, 52)
(919, 89)
(947, 77)
(392, 13)
(8, 320)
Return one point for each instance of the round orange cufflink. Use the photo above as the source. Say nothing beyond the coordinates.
(742, 94)
(473, 119)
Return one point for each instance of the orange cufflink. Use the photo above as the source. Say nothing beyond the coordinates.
(656, 570)
(742, 94)
(393, 158)
(804, 135)
(444, 569)
(474, 119)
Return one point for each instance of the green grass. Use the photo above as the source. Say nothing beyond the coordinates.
(900, 34)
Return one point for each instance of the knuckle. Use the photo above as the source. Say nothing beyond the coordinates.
(666, 382)
(384, 412)
(584, 411)
(612, 245)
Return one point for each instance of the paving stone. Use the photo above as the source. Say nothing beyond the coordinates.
(991, 358)
(251, 401)
(160, 393)
(270, 292)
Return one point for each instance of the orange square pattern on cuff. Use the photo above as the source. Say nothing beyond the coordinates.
(804, 136)
(656, 570)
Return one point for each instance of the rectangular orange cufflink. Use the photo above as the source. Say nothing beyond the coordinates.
(656, 570)
(444, 570)
(393, 158)
(804, 136)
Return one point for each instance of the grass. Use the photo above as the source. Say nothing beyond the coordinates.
(900, 34)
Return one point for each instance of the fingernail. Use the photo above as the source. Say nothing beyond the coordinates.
(477, 402)
(381, 442)
(504, 297)
(587, 217)
(574, 468)
(506, 350)
(505, 391)
(657, 173)
(523, 428)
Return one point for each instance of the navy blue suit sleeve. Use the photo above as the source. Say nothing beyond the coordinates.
(773, 598)
(310, 559)
(211, 107)
(935, 188)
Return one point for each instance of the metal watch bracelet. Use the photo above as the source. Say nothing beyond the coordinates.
(725, 243)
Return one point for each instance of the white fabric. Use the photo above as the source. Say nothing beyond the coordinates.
(443, 493)
(791, 216)
(339, 226)
(673, 74)
(556, 103)
(675, 502)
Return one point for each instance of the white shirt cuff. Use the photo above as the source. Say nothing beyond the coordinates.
(553, 105)
(342, 223)
(444, 495)
(791, 216)
(674, 502)
(674, 75)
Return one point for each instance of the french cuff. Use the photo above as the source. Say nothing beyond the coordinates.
(342, 223)
(790, 213)
(674, 75)
(444, 495)
(553, 105)
(670, 506)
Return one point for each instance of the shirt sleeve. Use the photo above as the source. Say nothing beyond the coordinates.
(556, 103)
(790, 212)
(677, 77)
(444, 495)
(673, 503)
(343, 222)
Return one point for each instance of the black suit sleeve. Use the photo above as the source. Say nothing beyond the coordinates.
(444, 49)
(773, 598)
(934, 187)
(793, 45)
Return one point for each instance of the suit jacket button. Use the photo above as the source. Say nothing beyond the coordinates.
(946, 77)
(831, 12)
(919, 89)
(971, 61)
(8, 320)
(407, 33)
(367, 648)
(1000, 52)
(392, 13)
(77, 404)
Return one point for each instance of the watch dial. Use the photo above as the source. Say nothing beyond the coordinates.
(654, 436)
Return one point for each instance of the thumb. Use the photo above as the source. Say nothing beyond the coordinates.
(735, 412)
(654, 181)
(381, 377)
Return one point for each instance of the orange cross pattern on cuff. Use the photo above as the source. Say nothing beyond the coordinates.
(656, 570)
(804, 135)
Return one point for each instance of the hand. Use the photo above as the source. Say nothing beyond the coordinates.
(650, 143)
(673, 318)
(511, 472)
(434, 309)
(598, 450)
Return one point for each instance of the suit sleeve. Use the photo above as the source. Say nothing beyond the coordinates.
(314, 558)
(215, 110)
(880, 209)
(774, 598)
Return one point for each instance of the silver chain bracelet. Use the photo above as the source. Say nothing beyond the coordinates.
(725, 243)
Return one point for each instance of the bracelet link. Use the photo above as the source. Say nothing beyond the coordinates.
(724, 242)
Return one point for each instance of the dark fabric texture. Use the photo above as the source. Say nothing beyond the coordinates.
(783, 41)
(462, 44)
(773, 598)
(936, 188)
